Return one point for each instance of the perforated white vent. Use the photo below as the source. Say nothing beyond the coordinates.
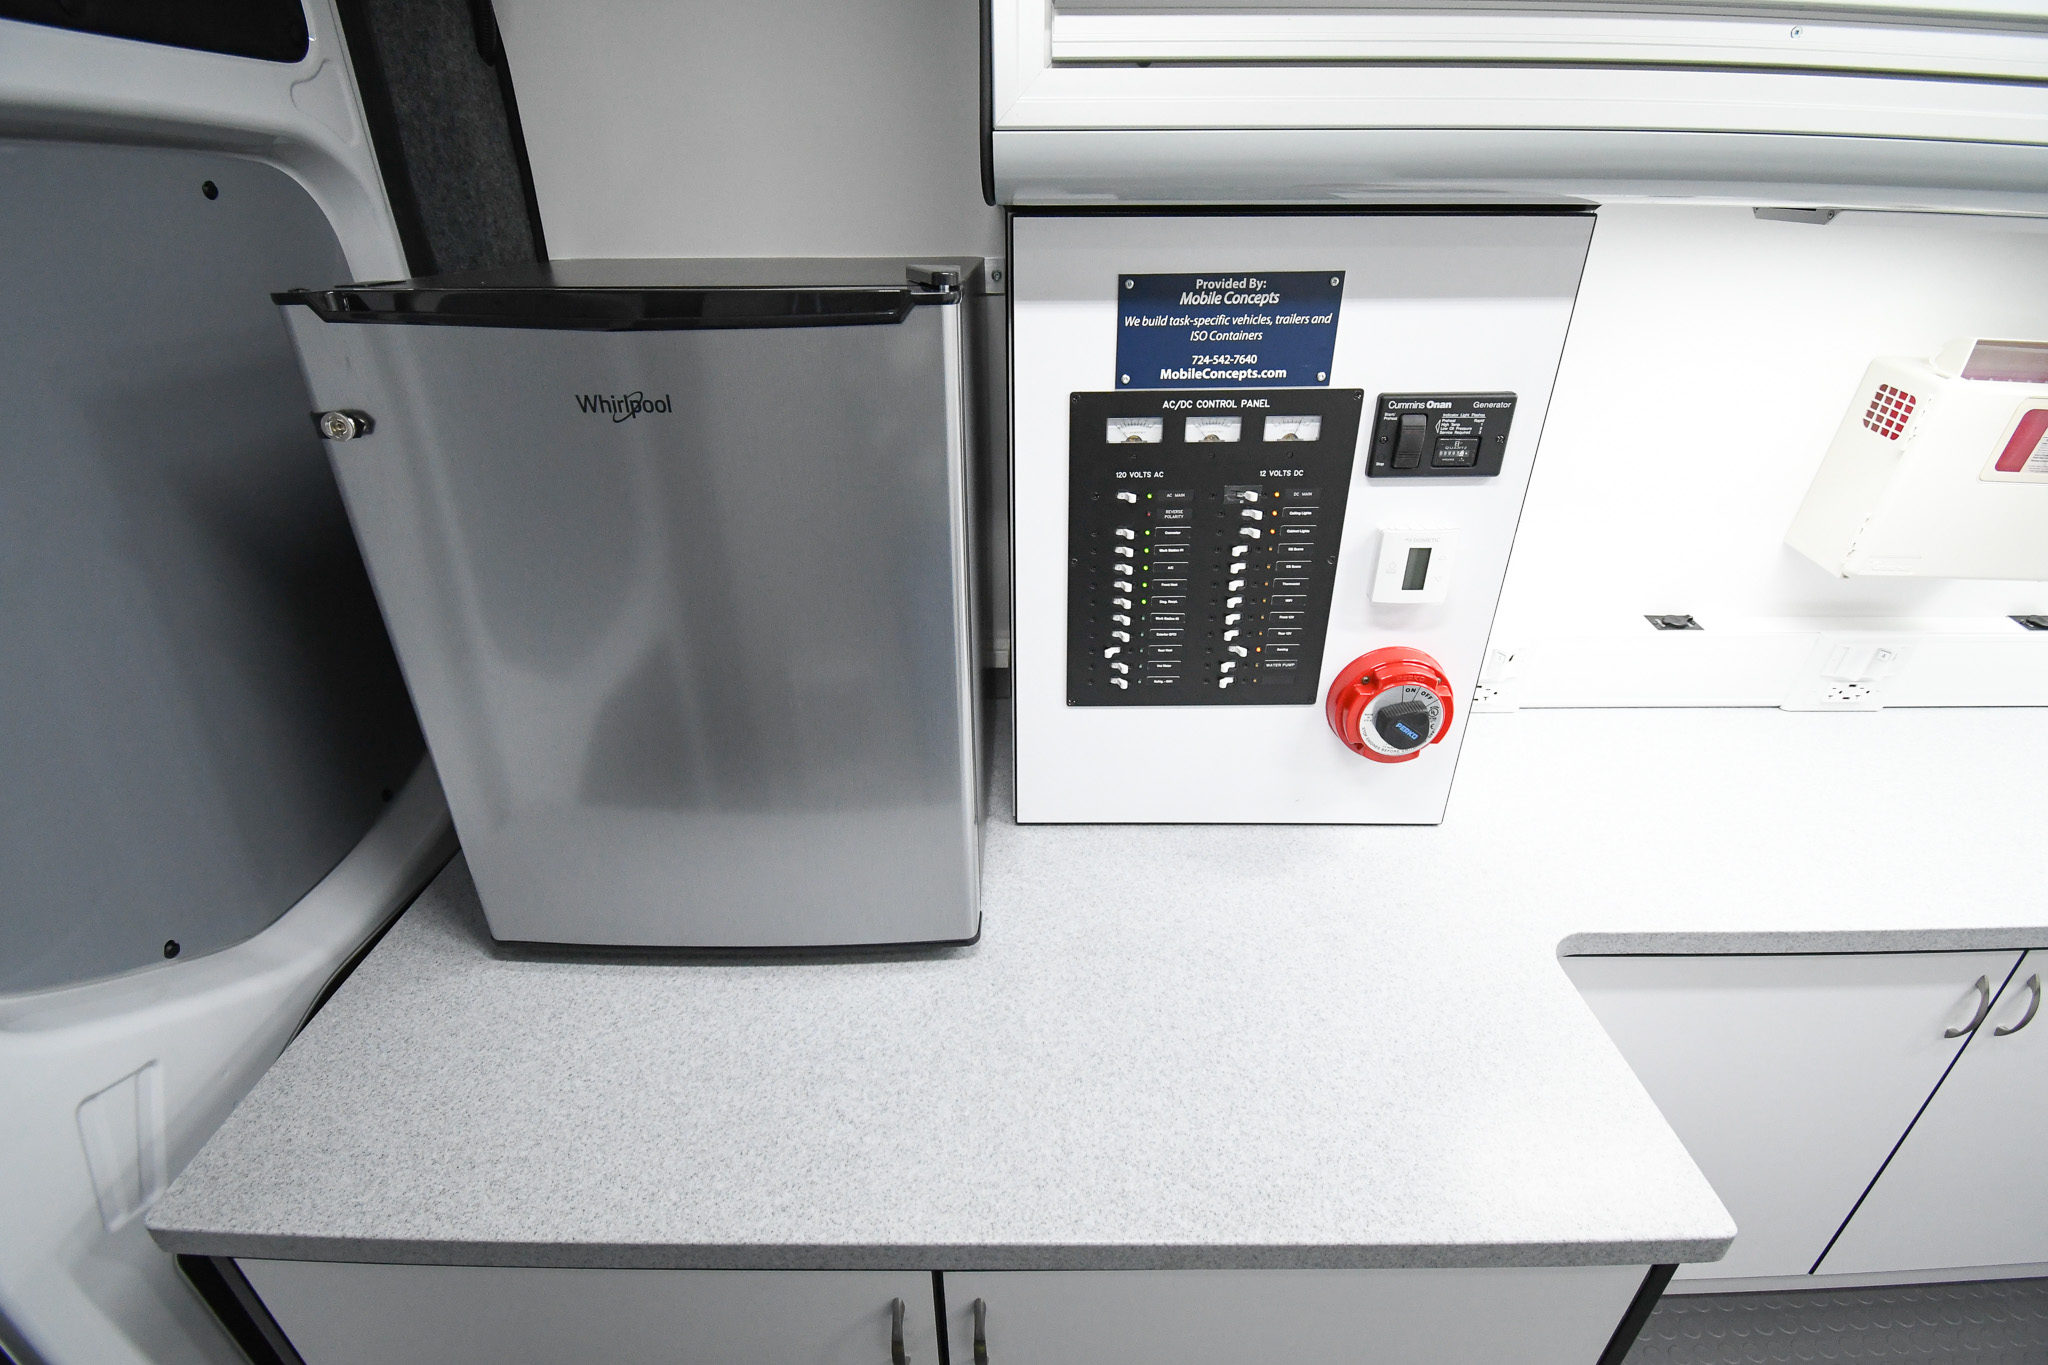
(1889, 408)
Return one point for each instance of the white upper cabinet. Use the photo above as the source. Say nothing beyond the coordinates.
(1989, 41)
(1933, 105)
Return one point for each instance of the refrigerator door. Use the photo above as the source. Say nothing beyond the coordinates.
(685, 614)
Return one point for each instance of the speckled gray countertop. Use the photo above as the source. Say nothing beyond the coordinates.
(1173, 1046)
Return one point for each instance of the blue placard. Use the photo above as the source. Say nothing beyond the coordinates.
(1268, 331)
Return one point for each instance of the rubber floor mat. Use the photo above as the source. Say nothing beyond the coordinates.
(1987, 1322)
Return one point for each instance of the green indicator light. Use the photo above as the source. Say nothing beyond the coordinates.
(1142, 601)
(1148, 497)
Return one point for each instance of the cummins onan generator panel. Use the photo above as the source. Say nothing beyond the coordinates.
(1267, 474)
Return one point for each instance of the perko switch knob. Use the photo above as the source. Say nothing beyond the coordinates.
(1390, 705)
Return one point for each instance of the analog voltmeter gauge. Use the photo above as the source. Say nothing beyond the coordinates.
(1131, 431)
(1390, 705)
(1212, 429)
(1279, 428)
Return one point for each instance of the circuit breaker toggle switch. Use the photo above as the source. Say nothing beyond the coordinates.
(1390, 705)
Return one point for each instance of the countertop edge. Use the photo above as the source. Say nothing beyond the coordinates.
(602, 1256)
(1740, 942)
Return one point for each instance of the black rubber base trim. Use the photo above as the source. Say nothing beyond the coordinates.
(1639, 1310)
(242, 1315)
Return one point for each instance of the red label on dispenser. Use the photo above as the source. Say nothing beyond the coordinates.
(2027, 451)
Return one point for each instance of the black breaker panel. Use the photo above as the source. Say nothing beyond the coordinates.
(1202, 535)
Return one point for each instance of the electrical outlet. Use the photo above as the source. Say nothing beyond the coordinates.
(1846, 671)
(1495, 690)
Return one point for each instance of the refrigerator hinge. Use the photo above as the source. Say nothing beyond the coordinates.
(934, 283)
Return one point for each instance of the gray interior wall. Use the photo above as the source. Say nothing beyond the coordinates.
(798, 128)
(199, 710)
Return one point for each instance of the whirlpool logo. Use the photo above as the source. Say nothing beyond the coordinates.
(622, 407)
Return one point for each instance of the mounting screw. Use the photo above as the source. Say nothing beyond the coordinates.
(171, 948)
(1673, 622)
(209, 189)
(343, 426)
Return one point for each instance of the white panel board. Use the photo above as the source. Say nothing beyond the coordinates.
(1432, 303)
(1711, 357)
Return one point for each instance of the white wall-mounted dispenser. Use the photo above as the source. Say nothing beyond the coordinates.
(1938, 470)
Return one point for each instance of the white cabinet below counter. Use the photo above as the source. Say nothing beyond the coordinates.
(339, 1313)
(335, 1313)
(1546, 1316)
(1969, 1185)
(1792, 1079)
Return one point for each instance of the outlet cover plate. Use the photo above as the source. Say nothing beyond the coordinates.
(1847, 671)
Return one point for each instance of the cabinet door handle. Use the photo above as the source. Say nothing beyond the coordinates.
(896, 1355)
(981, 1332)
(2033, 1008)
(1983, 989)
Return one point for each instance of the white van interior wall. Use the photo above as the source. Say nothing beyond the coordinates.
(1710, 358)
(805, 128)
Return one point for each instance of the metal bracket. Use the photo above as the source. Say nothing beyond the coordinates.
(1813, 217)
(1674, 622)
(934, 283)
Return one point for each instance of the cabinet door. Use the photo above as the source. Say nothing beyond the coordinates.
(1789, 1079)
(342, 1314)
(1967, 1186)
(1536, 1316)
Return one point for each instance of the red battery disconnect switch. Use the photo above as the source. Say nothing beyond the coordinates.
(1391, 704)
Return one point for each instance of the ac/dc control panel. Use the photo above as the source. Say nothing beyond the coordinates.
(1203, 531)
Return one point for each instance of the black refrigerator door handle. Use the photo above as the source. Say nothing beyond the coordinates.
(619, 310)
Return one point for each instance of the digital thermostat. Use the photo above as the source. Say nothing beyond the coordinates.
(1413, 566)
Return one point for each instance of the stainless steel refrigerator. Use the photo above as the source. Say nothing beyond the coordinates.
(676, 558)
